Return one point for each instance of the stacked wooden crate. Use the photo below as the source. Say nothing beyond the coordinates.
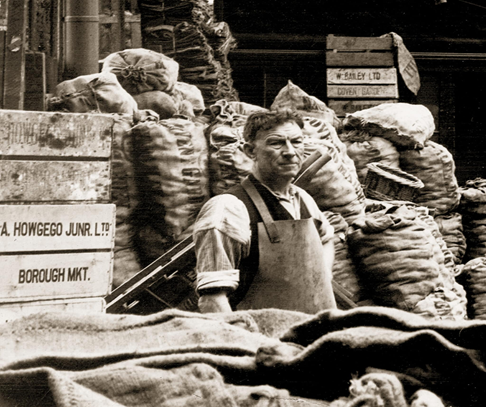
(56, 222)
(361, 73)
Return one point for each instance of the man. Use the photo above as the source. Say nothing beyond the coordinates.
(265, 243)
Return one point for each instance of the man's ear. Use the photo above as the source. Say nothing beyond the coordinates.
(249, 150)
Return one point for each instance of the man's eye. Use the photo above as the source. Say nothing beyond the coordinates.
(297, 142)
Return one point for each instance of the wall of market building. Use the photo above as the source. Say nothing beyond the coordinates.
(281, 39)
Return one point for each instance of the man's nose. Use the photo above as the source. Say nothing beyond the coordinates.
(289, 148)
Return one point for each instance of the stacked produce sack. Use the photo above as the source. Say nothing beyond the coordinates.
(473, 276)
(188, 32)
(170, 159)
(102, 93)
(343, 270)
(152, 80)
(451, 228)
(228, 164)
(473, 210)
(99, 92)
(402, 264)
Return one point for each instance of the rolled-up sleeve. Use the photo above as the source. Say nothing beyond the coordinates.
(222, 239)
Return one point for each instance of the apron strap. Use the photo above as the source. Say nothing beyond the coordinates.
(268, 221)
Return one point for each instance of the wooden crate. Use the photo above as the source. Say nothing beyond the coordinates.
(9, 312)
(360, 73)
(47, 156)
(56, 223)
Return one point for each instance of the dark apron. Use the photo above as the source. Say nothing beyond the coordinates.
(291, 272)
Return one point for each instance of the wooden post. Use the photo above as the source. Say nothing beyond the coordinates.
(14, 78)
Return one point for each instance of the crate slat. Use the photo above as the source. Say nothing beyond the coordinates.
(359, 43)
(357, 59)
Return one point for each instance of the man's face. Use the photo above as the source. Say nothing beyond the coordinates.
(278, 152)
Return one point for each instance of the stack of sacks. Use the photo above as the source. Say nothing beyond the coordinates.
(103, 93)
(473, 210)
(407, 126)
(434, 166)
(370, 150)
(448, 300)
(97, 93)
(319, 124)
(126, 263)
(171, 175)
(151, 78)
(187, 32)
(394, 255)
(474, 277)
(451, 228)
(228, 163)
(329, 187)
(343, 269)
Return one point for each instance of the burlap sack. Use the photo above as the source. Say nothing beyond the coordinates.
(434, 166)
(193, 95)
(294, 98)
(394, 257)
(162, 103)
(329, 188)
(124, 196)
(319, 129)
(407, 126)
(99, 92)
(142, 70)
(474, 275)
(228, 163)
(450, 226)
(171, 173)
(343, 269)
(374, 149)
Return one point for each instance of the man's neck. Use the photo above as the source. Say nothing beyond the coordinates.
(278, 186)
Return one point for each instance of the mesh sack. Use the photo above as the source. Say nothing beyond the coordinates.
(329, 187)
(171, 174)
(228, 163)
(293, 97)
(374, 149)
(407, 126)
(343, 269)
(318, 129)
(141, 70)
(474, 276)
(123, 195)
(434, 166)
(451, 228)
(394, 255)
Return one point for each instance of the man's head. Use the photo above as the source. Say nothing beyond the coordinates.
(275, 143)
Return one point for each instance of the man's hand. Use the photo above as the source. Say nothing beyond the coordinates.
(217, 302)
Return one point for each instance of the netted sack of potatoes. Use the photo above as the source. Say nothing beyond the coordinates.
(474, 277)
(228, 163)
(394, 256)
(434, 166)
(473, 210)
(171, 174)
(451, 228)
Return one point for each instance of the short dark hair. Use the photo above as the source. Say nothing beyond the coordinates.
(266, 120)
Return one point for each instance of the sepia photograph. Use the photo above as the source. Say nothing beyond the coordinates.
(223, 203)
